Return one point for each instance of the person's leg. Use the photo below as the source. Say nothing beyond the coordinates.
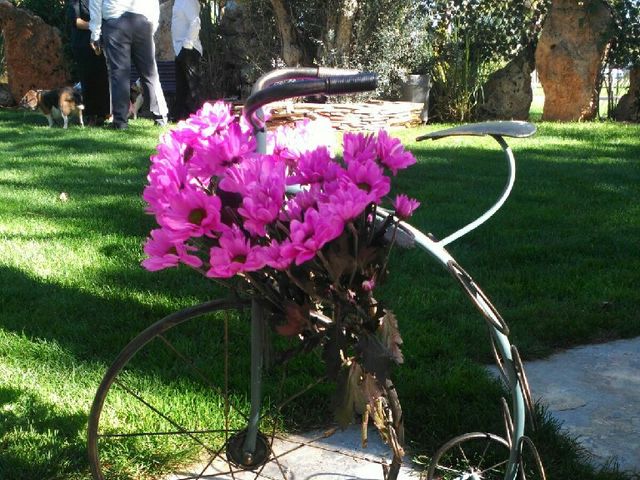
(95, 85)
(182, 88)
(102, 96)
(143, 54)
(193, 74)
(117, 39)
(83, 68)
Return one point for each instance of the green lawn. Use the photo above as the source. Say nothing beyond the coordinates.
(560, 261)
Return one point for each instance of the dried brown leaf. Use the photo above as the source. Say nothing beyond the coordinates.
(389, 335)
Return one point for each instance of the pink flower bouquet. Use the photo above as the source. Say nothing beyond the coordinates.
(295, 228)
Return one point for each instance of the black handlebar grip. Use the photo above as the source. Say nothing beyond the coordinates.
(342, 84)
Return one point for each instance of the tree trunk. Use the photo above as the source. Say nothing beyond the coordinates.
(292, 54)
(339, 33)
(348, 10)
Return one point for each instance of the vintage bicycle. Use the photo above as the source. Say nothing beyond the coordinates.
(242, 390)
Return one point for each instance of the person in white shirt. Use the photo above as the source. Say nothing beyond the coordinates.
(185, 30)
(125, 28)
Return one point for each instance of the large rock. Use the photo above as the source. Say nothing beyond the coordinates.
(33, 51)
(507, 94)
(574, 40)
(628, 108)
(162, 37)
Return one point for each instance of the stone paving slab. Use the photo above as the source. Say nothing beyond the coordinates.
(594, 391)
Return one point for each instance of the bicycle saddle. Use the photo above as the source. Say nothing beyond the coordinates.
(515, 129)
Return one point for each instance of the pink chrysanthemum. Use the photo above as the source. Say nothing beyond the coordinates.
(214, 155)
(369, 177)
(296, 206)
(166, 181)
(346, 202)
(234, 255)
(405, 206)
(315, 166)
(261, 182)
(212, 119)
(359, 147)
(274, 258)
(392, 154)
(369, 285)
(288, 144)
(261, 205)
(164, 252)
(309, 236)
(192, 213)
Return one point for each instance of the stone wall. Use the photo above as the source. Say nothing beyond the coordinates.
(33, 51)
(574, 40)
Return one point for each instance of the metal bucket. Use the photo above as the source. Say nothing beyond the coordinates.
(416, 89)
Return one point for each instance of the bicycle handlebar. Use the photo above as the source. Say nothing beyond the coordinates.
(330, 85)
(289, 73)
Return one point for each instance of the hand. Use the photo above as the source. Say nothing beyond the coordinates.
(97, 49)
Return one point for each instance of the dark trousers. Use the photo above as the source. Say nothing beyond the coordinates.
(188, 77)
(126, 39)
(92, 70)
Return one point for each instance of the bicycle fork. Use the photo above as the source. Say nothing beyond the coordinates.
(257, 359)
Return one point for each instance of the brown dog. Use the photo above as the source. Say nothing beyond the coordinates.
(62, 102)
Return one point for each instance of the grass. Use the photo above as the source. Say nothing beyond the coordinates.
(560, 262)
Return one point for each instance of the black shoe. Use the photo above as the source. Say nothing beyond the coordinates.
(118, 126)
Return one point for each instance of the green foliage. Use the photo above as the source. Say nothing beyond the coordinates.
(384, 43)
(625, 50)
(51, 11)
(471, 39)
(459, 42)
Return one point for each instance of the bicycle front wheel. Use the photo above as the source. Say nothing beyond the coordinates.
(175, 405)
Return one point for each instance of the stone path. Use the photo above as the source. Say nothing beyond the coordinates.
(332, 455)
(594, 391)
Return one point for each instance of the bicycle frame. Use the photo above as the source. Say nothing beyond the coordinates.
(260, 87)
(511, 366)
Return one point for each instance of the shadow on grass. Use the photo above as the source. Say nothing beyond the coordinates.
(89, 327)
(49, 438)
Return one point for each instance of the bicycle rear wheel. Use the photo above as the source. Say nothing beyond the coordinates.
(175, 404)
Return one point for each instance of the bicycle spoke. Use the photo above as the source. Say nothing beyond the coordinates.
(449, 469)
(282, 404)
(463, 454)
(493, 468)
(151, 434)
(162, 415)
(210, 462)
(275, 458)
(201, 375)
(484, 452)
